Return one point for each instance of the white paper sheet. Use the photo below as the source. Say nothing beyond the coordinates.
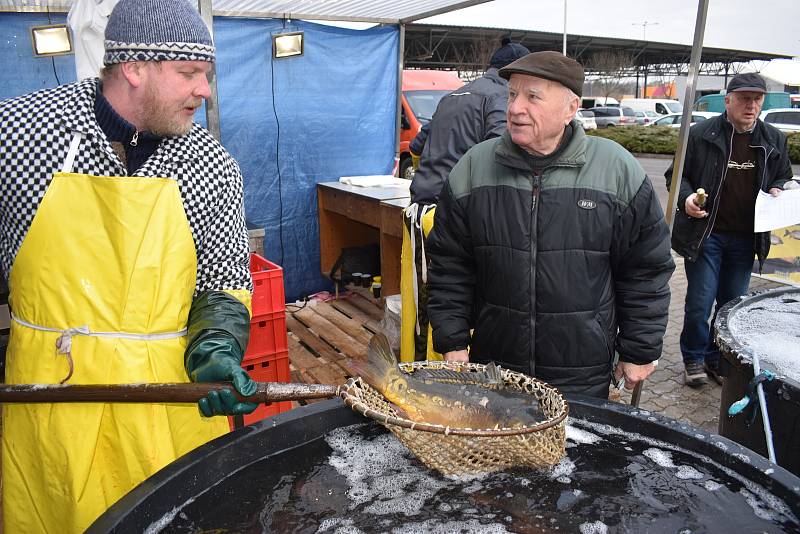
(777, 212)
(375, 181)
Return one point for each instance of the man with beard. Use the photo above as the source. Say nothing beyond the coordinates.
(124, 244)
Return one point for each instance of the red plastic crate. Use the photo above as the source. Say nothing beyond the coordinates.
(267, 335)
(274, 368)
(268, 293)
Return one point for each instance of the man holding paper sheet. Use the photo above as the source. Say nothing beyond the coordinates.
(732, 157)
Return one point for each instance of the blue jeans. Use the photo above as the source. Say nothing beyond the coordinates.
(721, 273)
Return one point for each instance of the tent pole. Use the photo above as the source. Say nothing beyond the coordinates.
(400, 65)
(688, 101)
(212, 107)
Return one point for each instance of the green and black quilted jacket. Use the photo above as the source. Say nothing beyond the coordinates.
(554, 270)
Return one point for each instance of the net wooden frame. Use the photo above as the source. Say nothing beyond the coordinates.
(467, 451)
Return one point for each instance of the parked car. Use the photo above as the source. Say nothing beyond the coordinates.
(608, 116)
(598, 101)
(784, 119)
(662, 106)
(586, 118)
(673, 120)
(643, 118)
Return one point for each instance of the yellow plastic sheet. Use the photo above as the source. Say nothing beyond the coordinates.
(408, 312)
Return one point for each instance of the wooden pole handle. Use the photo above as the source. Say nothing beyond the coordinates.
(157, 392)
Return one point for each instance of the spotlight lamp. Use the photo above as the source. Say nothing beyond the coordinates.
(51, 40)
(287, 44)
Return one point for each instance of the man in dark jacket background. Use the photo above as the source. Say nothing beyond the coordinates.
(465, 117)
(731, 157)
(550, 244)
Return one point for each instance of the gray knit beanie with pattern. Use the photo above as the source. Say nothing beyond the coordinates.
(156, 30)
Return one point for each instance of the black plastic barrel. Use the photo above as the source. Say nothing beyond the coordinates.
(740, 329)
(209, 485)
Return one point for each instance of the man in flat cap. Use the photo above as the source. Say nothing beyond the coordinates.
(549, 253)
(731, 157)
(471, 114)
(126, 252)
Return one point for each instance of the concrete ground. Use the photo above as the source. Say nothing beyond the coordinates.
(664, 391)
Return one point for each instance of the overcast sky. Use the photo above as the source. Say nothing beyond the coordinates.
(763, 26)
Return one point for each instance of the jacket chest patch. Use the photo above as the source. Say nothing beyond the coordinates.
(587, 204)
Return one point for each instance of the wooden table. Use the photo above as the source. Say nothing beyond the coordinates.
(351, 216)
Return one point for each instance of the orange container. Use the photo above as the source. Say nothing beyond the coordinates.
(267, 335)
(268, 293)
(273, 368)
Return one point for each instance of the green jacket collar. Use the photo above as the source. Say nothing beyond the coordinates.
(511, 155)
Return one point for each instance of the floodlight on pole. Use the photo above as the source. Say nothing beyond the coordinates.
(644, 27)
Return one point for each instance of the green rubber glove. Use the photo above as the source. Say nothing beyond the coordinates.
(219, 329)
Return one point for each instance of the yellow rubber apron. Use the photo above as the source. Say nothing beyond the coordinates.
(108, 270)
(421, 222)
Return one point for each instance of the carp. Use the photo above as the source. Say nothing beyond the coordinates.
(441, 397)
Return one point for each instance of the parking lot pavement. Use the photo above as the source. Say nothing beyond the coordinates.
(664, 391)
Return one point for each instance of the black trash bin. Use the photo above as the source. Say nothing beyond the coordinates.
(765, 324)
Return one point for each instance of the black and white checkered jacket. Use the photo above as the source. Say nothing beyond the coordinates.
(35, 133)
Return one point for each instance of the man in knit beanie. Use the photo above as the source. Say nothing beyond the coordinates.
(135, 270)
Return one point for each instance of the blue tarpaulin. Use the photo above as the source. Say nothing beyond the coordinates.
(23, 72)
(294, 122)
(290, 123)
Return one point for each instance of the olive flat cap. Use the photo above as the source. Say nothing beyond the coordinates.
(549, 65)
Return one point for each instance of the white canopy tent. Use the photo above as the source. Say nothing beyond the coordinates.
(375, 11)
(398, 12)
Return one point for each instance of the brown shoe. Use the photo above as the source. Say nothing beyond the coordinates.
(695, 374)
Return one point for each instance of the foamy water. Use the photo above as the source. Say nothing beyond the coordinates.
(365, 480)
(770, 327)
(380, 472)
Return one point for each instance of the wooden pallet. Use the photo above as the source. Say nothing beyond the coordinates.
(324, 336)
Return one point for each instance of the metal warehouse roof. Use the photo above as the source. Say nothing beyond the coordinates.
(377, 11)
(434, 46)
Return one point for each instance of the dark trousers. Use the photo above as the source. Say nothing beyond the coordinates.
(720, 274)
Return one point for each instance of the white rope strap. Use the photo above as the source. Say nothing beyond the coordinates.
(425, 209)
(72, 152)
(64, 341)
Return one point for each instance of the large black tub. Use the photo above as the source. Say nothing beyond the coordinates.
(324, 468)
(767, 325)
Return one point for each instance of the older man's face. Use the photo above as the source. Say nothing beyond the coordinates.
(743, 108)
(538, 110)
(173, 91)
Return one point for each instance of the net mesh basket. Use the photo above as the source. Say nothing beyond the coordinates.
(464, 451)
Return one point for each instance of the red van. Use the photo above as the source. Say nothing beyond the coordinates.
(422, 90)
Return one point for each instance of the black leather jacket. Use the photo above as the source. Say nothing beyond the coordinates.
(706, 163)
